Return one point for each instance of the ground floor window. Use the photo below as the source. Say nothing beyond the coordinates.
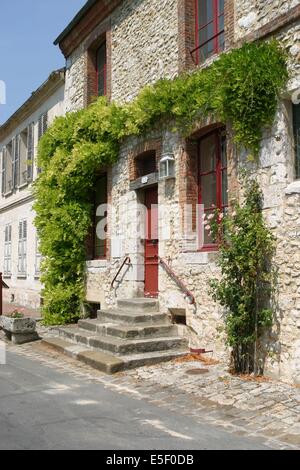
(296, 121)
(22, 249)
(7, 250)
(212, 164)
(100, 242)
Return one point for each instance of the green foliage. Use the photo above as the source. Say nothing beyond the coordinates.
(246, 250)
(240, 87)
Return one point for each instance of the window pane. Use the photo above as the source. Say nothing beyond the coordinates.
(296, 120)
(206, 51)
(221, 6)
(206, 33)
(205, 11)
(224, 188)
(101, 70)
(208, 190)
(223, 151)
(208, 154)
(221, 23)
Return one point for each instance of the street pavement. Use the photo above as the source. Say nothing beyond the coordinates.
(51, 402)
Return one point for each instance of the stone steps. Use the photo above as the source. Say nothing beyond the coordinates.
(119, 345)
(109, 363)
(130, 318)
(132, 331)
(131, 335)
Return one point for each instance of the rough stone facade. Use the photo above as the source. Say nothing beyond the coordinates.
(251, 15)
(144, 45)
(147, 41)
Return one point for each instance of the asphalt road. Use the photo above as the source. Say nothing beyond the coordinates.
(41, 408)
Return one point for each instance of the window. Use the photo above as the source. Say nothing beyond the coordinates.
(30, 151)
(212, 176)
(7, 168)
(100, 199)
(296, 121)
(42, 124)
(3, 171)
(16, 162)
(146, 163)
(101, 70)
(22, 249)
(209, 28)
(7, 250)
(23, 157)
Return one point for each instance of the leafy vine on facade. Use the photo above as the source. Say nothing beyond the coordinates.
(246, 249)
(241, 87)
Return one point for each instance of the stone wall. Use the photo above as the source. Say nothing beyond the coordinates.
(75, 81)
(144, 48)
(251, 15)
(144, 45)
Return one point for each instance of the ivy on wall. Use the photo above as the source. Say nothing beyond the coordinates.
(241, 87)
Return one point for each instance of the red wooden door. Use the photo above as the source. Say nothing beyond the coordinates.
(151, 243)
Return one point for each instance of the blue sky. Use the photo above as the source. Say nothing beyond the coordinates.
(27, 54)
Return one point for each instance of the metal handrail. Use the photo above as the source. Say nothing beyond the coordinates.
(179, 283)
(127, 262)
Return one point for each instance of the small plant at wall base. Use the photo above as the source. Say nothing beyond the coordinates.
(244, 290)
(241, 87)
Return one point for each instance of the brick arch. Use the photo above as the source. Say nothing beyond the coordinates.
(143, 148)
(188, 164)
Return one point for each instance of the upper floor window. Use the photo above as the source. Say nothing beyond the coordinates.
(296, 122)
(7, 168)
(212, 176)
(101, 69)
(42, 124)
(209, 28)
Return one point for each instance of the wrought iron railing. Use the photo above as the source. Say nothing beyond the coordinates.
(126, 262)
(188, 294)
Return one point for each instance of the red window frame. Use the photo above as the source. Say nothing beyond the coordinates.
(101, 70)
(219, 172)
(217, 32)
(95, 256)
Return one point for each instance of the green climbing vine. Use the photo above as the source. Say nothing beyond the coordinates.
(246, 249)
(241, 87)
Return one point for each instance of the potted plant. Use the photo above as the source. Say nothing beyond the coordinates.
(18, 328)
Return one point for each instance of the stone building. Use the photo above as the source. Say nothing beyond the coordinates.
(19, 135)
(115, 48)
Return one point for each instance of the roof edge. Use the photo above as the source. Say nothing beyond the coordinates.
(75, 21)
(55, 78)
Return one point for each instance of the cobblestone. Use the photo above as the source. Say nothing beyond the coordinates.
(272, 413)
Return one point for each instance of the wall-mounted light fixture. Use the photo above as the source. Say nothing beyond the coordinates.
(167, 166)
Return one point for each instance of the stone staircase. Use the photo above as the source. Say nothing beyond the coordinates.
(132, 335)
